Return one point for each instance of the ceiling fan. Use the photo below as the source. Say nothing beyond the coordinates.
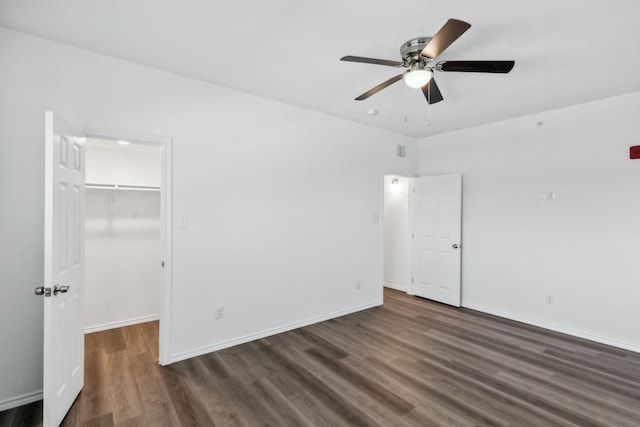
(418, 57)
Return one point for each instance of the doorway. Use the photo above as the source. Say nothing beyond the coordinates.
(396, 232)
(128, 232)
(64, 258)
(122, 234)
(421, 236)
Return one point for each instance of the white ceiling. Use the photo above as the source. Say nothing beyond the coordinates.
(566, 52)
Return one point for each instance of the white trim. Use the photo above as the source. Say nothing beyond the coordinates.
(116, 134)
(120, 324)
(396, 287)
(553, 327)
(166, 210)
(273, 331)
(14, 402)
(166, 199)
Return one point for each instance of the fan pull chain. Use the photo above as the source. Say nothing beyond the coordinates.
(429, 105)
(406, 93)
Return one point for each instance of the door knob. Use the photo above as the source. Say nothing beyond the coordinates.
(455, 246)
(60, 288)
(41, 290)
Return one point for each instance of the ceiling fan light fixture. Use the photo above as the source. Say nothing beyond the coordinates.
(416, 78)
(418, 56)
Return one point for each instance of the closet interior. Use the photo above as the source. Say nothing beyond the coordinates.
(122, 234)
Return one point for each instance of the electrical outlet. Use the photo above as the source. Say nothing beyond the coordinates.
(549, 299)
(183, 221)
(219, 312)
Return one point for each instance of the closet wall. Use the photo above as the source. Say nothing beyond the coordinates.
(122, 239)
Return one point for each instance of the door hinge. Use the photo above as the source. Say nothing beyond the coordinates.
(162, 264)
(412, 280)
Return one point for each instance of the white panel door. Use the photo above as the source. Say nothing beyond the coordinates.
(63, 268)
(436, 238)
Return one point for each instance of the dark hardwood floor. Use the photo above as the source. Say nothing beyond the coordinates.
(412, 362)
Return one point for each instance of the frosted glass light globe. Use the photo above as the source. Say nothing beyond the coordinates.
(417, 78)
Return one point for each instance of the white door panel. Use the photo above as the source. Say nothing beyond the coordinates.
(437, 236)
(64, 268)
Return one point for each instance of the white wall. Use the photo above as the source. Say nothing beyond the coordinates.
(123, 255)
(122, 247)
(112, 163)
(582, 247)
(281, 200)
(397, 241)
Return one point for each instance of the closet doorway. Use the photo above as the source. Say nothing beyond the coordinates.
(396, 232)
(422, 236)
(125, 235)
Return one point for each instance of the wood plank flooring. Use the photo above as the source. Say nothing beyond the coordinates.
(411, 362)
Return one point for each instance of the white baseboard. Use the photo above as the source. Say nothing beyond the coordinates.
(120, 324)
(14, 402)
(579, 334)
(244, 339)
(396, 287)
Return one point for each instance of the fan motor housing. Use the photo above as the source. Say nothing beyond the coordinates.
(410, 50)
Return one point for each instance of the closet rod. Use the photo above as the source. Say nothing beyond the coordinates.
(121, 187)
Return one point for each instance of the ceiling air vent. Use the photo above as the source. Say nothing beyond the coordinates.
(401, 150)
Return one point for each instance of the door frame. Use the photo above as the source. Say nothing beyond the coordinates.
(166, 204)
(410, 177)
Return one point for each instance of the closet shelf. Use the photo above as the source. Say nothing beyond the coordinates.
(121, 187)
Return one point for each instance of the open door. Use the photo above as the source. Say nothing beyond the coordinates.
(63, 268)
(436, 238)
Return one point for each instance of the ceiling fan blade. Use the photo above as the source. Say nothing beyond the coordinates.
(449, 33)
(476, 66)
(350, 58)
(378, 88)
(432, 92)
